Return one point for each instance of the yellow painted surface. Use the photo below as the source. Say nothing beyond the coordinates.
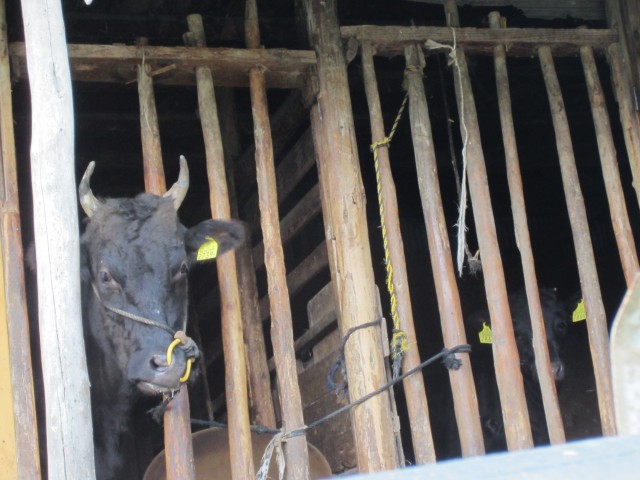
(8, 457)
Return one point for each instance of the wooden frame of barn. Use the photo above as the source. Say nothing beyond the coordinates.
(321, 94)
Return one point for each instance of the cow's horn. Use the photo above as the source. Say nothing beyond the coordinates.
(179, 189)
(90, 204)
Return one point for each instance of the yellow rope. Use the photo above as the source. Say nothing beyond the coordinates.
(399, 342)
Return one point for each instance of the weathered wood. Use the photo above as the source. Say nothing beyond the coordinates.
(462, 386)
(20, 453)
(391, 40)
(261, 402)
(177, 438)
(232, 337)
(230, 66)
(308, 268)
(414, 389)
(624, 16)
(290, 118)
(307, 208)
(335, 437)
(9, 450)
(523, 240)
(610, 171)
(629, 117)
(296, 450)
(505, 353)
(55, 213)
(297, 163)
(154, 180)
(596, 317)
(344, 211)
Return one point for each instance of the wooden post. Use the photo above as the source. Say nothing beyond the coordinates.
(297, 454)
(596, 317)
(610, 172)
(260, 397)
(505, 353)
(416, 395)
(235, 364)
(154, 181)
(177, 417)
(343, 206)
(55, 214)
(462, 386)
(17, 402)
(509, 377)
(523, 240)
(629, 117)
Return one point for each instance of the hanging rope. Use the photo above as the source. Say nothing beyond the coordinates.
(462, 208)
(399, 343)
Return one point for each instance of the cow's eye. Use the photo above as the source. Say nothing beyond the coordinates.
(105, 276)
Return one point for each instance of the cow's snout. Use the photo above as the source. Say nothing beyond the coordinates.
(150, 371)
(557, 368)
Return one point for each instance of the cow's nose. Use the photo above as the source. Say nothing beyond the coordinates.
(557, 368)
(159, 362)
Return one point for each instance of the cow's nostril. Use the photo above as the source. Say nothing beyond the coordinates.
(558, 371)
(159, 361)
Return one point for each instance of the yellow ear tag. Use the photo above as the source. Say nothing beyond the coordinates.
(580, 313)
(208, 250)
(485, 334)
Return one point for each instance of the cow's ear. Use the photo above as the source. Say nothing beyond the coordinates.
(211, 238)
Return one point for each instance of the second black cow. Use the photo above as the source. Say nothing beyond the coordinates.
(556, 318)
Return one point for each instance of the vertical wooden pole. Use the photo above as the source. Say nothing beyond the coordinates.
(232, 341)
(297, 466)
(20, 430)
(415, 392)
(462, 386)
(344, 211)
(154, 181)
(260, 397)
(177, 417)
(55, 213)
(516, 191)
(505, 353)
(610, 172)
(596, 317)
(629, 117)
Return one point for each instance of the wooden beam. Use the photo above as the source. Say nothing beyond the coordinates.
(397, 278)
(391, 40)
(589, 283)
(17, 399)
(523, 240)
(297, 453)
(343, 205)
(229, 66)
(232, 336)
(462, 387)
(177, 426)
(610, 171)
(57, 240)
(505, 352)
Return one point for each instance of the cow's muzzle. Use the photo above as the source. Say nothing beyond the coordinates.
(150, 371)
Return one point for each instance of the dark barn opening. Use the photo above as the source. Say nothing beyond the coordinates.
(108, 131)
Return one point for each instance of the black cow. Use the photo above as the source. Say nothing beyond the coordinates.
(556, 318)
(135, 257)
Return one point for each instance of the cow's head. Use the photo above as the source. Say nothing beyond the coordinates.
(555, 320)
(136, 256)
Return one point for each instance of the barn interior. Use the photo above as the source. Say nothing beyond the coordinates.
(108, 131)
